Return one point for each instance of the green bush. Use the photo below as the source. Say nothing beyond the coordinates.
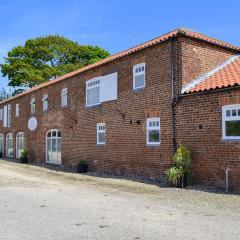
(174, 175)
(25, 153)
(179, 174)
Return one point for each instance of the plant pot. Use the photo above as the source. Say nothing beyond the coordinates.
(82, 168)
(24, 159)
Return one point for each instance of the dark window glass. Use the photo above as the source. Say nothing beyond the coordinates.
(153, 136)
(232, 128)
(228, 113)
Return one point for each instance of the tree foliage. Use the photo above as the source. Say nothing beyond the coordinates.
(46, 58)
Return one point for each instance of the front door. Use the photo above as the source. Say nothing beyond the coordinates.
(53, 147)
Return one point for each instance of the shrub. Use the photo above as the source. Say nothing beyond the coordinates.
(25, 153)
(180, 175)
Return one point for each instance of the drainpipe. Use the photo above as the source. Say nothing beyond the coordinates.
(174, 97)
(226, 179)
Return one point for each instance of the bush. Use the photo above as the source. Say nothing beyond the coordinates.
(175, 175)
(25, 153)
(179, 175)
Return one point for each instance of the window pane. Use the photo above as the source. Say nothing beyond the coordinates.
(233, 128)
(228, 113)
(93, 96)
(101, 137)
(139, 81)
(153, 136)
(234, 112)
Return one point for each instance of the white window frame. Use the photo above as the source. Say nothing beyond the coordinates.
(229, 118)
(148, 128)
(53, 157)
(64, 97)
(20, 144)
(140, 65)
(45, 103)
(101, 128)
(90, 84)
(17, 110)
(9, 145)
(1, 114)
(33, 105)
(9, 115)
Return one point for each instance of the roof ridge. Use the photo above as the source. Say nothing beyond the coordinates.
(186, 87)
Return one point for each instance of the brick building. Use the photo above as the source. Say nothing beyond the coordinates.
(127, 113)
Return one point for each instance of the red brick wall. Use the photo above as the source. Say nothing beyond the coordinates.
(211, 155)
(125, 151)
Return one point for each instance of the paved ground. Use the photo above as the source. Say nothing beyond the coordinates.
(36, 203)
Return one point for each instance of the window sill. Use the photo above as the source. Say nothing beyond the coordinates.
(93, 106)
(153, 145)
(138, 89)
(230, 140)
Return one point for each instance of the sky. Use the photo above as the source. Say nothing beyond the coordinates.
(115, 25)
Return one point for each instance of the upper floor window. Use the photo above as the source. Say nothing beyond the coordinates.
(231, 122)
(101, 133)
(153, 131)
(45, 102)
(93, 92)
(64, 97)
(101, 89)
(33, 105)
(17, 110)
(1, 114)
(139, 76)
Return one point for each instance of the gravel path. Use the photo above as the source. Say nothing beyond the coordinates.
(36, 203)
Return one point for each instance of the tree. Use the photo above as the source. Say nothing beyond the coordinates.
(46, 58)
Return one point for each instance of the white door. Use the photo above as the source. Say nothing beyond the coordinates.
(1, 144)
(53, 147)
(20, 144)
(9, 145)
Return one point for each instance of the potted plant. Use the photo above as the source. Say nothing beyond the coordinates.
(24, 156)
(82, 167)
(180, 175)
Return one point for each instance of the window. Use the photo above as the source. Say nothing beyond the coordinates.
(9, 145)
(231, 122)
(101, 89)
(9, 119)
(1, 144)
(20, 144)
(64, 97)
(53, 147)
(101, 133)
(17, 110)
(33, 105)
(93, 92)
(139, 76)
(1, 114)
(45, 102)
(153, 131)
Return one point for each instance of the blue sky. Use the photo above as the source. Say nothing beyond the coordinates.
(114, 25)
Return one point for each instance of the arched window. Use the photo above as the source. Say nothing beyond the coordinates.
(53, 146)
(1, 145)
(9, 145)
(20, 143)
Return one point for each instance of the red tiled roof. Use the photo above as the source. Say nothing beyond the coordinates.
(227, 76)
(174, 33)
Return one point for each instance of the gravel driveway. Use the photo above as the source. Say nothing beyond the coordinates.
(36, 203)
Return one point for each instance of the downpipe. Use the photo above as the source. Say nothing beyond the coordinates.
(226, 179)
